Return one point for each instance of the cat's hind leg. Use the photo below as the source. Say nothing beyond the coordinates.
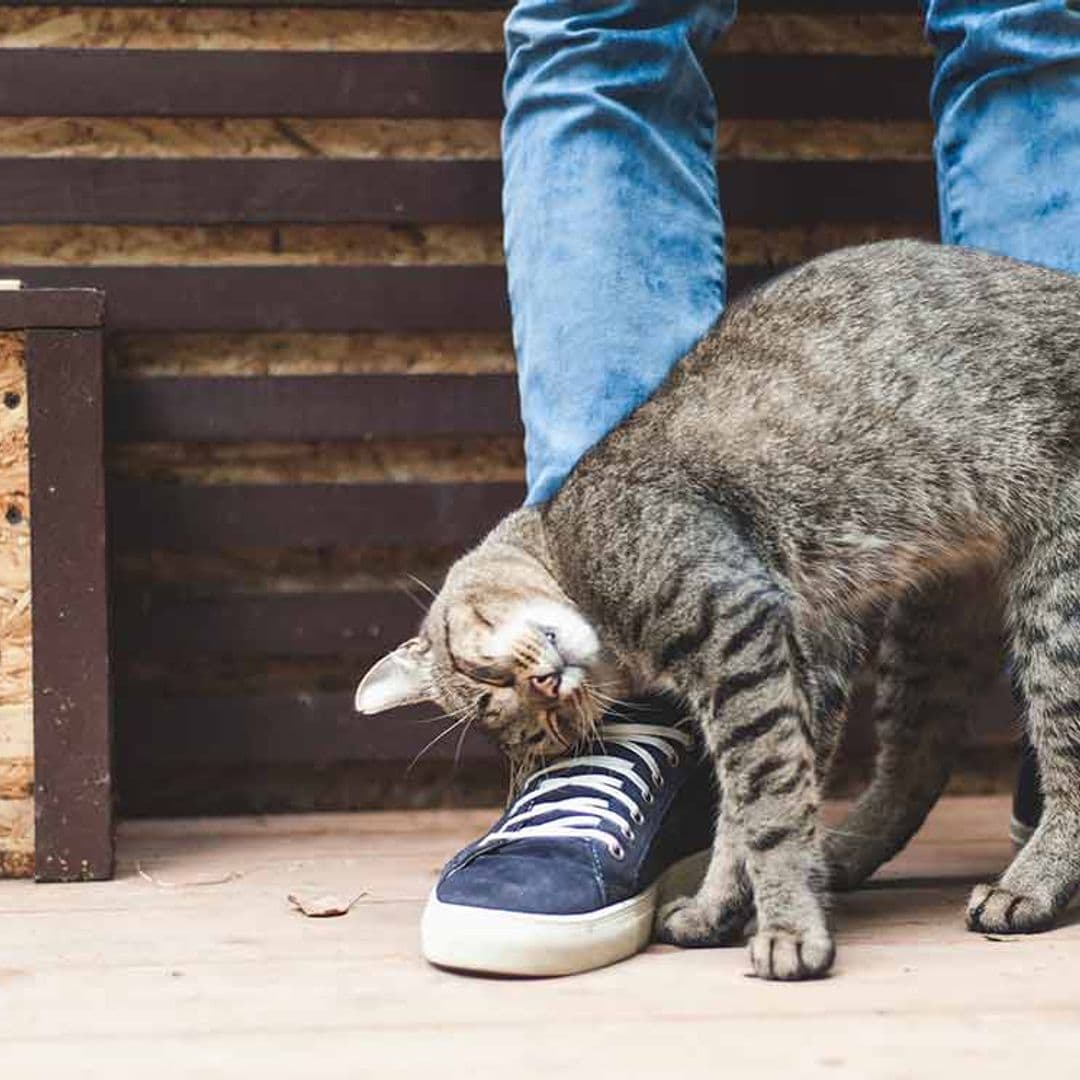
(1044, 595)
(940, 647)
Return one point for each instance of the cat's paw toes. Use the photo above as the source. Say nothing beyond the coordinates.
(692, 924)
(994, 910)
(788, 956)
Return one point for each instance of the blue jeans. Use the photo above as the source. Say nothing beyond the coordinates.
(614, 239)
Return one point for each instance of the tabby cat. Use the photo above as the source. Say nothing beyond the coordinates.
(849, 448)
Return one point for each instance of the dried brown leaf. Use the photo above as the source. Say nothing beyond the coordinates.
(324, 906)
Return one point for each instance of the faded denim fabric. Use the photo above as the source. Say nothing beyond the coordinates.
(1006, 102)
(614, 239)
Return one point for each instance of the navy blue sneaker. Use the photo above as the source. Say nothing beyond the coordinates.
(570, 877)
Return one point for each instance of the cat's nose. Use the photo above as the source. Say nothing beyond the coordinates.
(547, 685)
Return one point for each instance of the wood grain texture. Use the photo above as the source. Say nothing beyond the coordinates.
(16, 632)
(364, 245)
(292, 137)
(131, 971)
(16, 778)
(420, 459)
(387, 30)
(304, 354)
(252, 245)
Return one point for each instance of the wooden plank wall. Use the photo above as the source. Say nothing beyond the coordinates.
(294, 209)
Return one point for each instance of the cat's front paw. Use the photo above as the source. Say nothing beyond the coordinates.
(994, 910)
(692, 922)
(789, 956)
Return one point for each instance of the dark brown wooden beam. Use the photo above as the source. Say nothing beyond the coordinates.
(299, 728)
(51, 308)
(319, 408)
(72, 698)
(364, 625)
(307, 298)
(179, 192)
(183, 517)
(120, 82)
(208, 192)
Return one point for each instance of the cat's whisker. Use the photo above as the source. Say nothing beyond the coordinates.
(452, 714)
(423, 584)
(461, 741)
(438, 738)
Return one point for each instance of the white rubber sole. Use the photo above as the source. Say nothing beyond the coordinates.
(517, 943)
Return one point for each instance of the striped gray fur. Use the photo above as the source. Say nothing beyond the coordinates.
(861, 459)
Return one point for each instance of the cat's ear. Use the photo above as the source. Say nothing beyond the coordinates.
(402, 677)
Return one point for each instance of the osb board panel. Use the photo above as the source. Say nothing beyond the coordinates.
(234, 354)
(362, 245)
(311, 354)
(402, 460)
(363, 30)
(16, 830)
(279, 137)
(16, 704)
(246, 245)
(298, 137)
(286, 30)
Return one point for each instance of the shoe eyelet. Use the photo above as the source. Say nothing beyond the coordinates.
(618, 852)
(660, 781)
(673, 759)
(650, 798)
(627, 832)
(636, 816)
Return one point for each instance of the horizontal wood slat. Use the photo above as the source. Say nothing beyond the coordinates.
(144, 515)
(358, 624)
(322, 408)
(46, 309)
(274, 729)
(310, 298)
(43, 191)
(116, 82)
(109, 190)
(798, 6)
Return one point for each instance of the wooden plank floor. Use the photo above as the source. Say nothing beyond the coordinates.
(132, 978)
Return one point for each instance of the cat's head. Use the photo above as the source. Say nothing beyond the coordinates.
(504, 646)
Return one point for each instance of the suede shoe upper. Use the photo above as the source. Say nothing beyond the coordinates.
(596, 828)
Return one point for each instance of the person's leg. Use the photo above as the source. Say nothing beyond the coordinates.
(614, 241)
(1006, 102)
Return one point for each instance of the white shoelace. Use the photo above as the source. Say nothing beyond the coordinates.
(619, 787)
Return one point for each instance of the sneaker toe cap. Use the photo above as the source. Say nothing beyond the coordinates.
(524, 882)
